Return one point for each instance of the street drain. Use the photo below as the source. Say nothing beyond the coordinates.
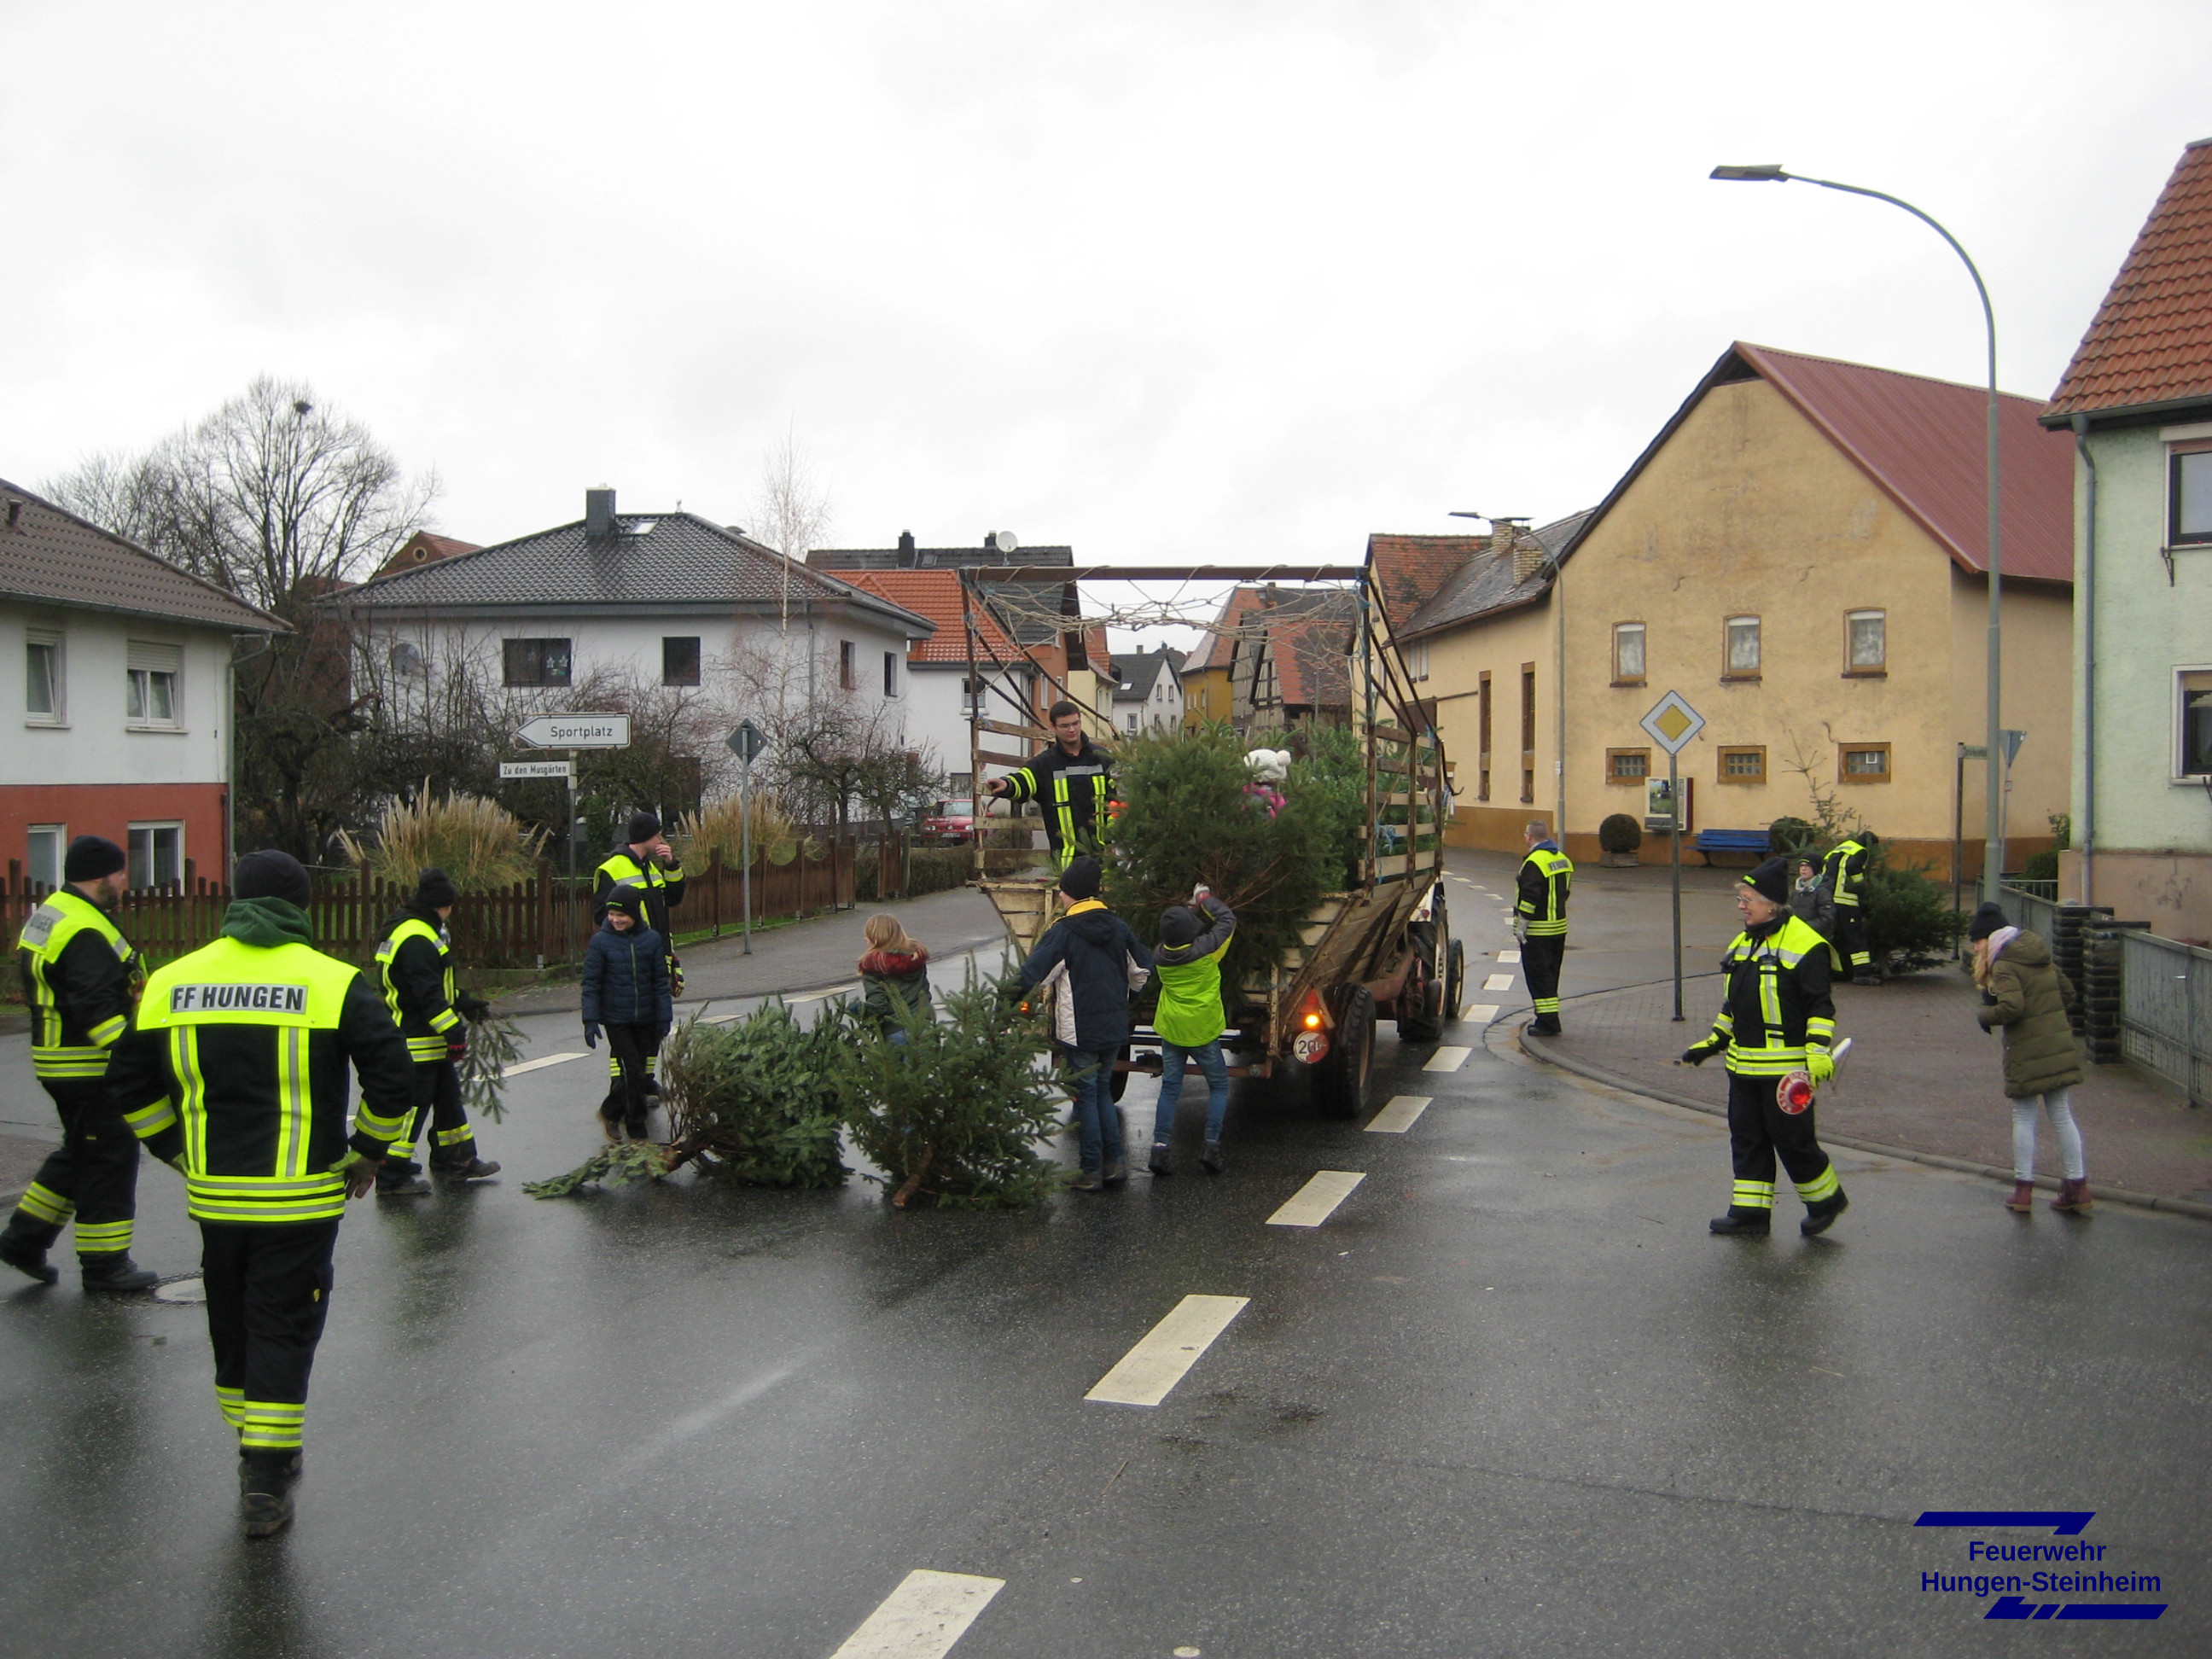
(181, 1291)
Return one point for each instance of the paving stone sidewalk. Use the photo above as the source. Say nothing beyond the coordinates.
(1922, 1078)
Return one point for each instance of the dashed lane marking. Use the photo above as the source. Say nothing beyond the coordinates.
(1314, 1203)
(1399, 1116)
(718, 1020)
(1447, 1060)
(1485, 1012)
(923, 1618)
(541, 1063)
(1509, 955)
(1499, 982)
(1145, 1374)
(817, 996)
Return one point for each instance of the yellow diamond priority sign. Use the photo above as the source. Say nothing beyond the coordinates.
(1671, 723)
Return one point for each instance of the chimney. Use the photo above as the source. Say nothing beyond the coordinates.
(600, 511)
(1511, 535)
(906, 550)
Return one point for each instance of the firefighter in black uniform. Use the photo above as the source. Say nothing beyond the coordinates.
(234, 1072)
(1844, 871)
(646, 864)
(414, 972)
(1539, 921)
(1073, 781)
(1776, 1018)
(79, 975)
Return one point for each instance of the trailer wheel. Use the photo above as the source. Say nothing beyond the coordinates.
(1119, 1082)
(1420, 1005)
(1455, 981)
(1340, 1082)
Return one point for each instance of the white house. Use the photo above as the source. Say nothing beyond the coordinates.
(1149, 697)
(119, 668)
(648, 599)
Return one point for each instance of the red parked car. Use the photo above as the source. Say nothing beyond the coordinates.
(950, 824)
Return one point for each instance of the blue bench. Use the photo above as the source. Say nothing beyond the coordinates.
(1752, 843)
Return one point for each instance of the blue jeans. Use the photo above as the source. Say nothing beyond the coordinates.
(1097, 1120)
(1207, 1058)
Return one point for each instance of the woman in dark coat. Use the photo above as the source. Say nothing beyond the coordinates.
(2023, 991)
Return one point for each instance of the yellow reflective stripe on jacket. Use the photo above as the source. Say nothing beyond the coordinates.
(266, 1200)
(70, 1062)
(109, 1032)
(386, 1129)
(388, 948)
(149, 1120)
(425, 1050)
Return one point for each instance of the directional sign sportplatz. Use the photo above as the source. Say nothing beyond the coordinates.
(559, 769)
(576, 732)
(1671, 723)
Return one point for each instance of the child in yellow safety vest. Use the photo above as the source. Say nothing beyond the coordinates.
(1193, 937)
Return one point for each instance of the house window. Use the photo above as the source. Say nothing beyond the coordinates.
(1866, 641)
(1743, 763)
(962, 782)
(1482, 752)
(2195, 689)
(43, 701)
(1629, 766)
(1864, 763)
(679, 659)
(848, 668)
(157, 854)
(1417, 660)
(2190, 497)
(1131, 719)
(150, 696)
(1528, 730)
(536, 662)
(1742, 655)
(43, 845)
(1628, 654)
(890, 673)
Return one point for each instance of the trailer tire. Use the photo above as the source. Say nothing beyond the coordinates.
(1118, 1083)
(1455, 981)
(1419, 1006)
(1340, 1082)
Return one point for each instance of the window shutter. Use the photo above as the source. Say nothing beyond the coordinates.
(158, 659)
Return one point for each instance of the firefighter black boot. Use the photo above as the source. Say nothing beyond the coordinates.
(26, 1257)
(1741, 1223)
(265, 1491)
(115, 1274)
(1820, 1215)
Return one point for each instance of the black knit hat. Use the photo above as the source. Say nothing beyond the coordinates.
(435, 890)
(91, 857)
(1179, 924)
(644, 826)
(1081, 881)
(628, 900)
(1988, 916)
(272, 874)
(1771, 880)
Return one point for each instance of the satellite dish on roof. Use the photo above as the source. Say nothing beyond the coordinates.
(1004, 541)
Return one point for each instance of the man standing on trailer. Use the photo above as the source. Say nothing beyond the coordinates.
(1073, 781)
(1539, 922)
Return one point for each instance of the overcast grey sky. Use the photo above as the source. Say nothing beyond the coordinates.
(1201, 280)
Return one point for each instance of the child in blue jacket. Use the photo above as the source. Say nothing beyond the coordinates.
(626, 991)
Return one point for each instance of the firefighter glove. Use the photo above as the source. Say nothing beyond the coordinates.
(457, 1044)
(1819, 1064)
(359, 1171)
(1700, 1054)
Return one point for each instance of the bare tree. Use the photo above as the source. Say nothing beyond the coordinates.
(791, 515)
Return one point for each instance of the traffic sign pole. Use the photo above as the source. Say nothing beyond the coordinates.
(746, 845)
(1672, 724)
(1674, 837)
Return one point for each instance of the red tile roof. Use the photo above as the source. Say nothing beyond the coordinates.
(1925, 443)
(1308, 635)
(1215, 649)
(2152, 339)
(934, 595)
(1411, 570)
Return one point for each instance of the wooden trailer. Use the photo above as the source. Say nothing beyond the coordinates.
(1381, 949)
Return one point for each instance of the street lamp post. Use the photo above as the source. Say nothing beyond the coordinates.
(1993, 788)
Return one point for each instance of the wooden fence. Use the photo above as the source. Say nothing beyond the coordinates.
(535, 922)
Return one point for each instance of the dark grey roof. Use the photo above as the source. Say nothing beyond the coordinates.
(906, 557)
(50, 556)
(1487, 582)
(1141, 672)
(657, 560)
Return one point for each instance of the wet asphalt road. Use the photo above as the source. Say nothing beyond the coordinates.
(1508, 1399)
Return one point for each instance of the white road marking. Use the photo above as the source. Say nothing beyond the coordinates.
(1447, 1060)
(1499, 982)
(1145, 1374)
(718, 1020)
(923, 1618)
(1509, 955)
(1399, 1116)
(541, 1063)
(1312, 1203)
(1485, 1012)
(817, 996)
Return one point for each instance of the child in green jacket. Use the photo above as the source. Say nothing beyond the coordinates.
(1193, 937)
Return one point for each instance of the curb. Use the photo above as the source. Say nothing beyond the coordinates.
(1614, 1079)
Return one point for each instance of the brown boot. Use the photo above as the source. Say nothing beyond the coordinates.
(2073, 1197)
(2023, 1200)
